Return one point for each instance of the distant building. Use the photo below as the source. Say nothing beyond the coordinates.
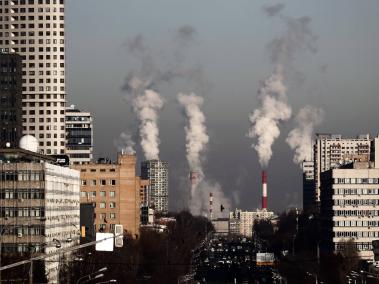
(87, 221)
(156, 172)
(309, 194)
(39, 205)
(350, 206)
(79, 136)
(221, 226)
(243, 221)
(147, 215)
(115, 189)
(332, 151)
(10, 100)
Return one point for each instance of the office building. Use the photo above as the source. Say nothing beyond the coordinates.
(10, 100)
(114, 188)
(332, 151)
(79, 136)
(243, 221)
(156, 172)
(35, 29)
(309, 194)
(39, 204)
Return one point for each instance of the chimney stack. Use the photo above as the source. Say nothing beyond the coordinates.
(264, 190)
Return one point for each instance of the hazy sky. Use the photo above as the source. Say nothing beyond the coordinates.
(229, 47)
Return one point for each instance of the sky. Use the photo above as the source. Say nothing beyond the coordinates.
(229, 49)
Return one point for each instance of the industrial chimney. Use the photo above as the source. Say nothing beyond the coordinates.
(194, 178)
(264, 190)
(211, 205)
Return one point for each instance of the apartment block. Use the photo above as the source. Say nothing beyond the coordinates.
(39, 205)
(35, 29)
(114, 188)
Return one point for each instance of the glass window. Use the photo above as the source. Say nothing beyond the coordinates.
(102, 193)
(112, 205)
(112, 193)
(102, 205)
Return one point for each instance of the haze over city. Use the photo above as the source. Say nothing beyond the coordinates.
(225, 50)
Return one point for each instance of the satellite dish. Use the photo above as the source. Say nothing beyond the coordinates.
(29, 142)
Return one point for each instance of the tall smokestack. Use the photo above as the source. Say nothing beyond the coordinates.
(211, 205)
(264, 190)
(194, 178)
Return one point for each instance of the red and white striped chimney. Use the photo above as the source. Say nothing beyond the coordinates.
(211, 205)
(264, 190)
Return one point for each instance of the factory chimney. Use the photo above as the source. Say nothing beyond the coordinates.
(211, 205)
(264, 190)
(194, 178)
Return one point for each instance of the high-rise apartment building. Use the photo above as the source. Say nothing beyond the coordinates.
(114, 188)
(333, 151)
(10, 100)
(309, 194)
(35, 30)
(156, 172)
(39, 206)
(79, 136)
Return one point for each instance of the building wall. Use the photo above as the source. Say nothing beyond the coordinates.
(350, 208)
(10, 99)
(156, 172)
(309, 195)
(116, 188)
(36, 32)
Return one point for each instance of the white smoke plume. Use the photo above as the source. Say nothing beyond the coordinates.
(265, 120)
(125, 143)
(146, 106)
(300, 138)
(196, 131)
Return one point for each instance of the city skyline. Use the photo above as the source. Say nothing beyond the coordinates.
(343, 66)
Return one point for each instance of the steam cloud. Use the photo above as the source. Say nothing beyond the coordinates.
(300, 138)
(146, 106)
(125, 143)
(265, 120)
(196, 132)
(274, 109)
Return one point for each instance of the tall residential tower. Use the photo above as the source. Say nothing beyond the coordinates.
(35, 30)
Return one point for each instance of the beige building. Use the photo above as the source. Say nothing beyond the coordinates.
(115, 189)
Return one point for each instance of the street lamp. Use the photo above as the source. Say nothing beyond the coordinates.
(92, 275)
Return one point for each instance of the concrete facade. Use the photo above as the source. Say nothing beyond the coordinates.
(35, 29)
(115, 190)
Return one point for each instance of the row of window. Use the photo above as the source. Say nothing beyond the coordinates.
(356, 246)
(361, 234)
(355, 191)
(102, 182)
(94, 170)
(31, 10)
(48, 127)
(103, 216)
(356, 180)
(21, 175)
(103, 205)
(356, 202)
(101, 194)
(30, 18)
(24, 230)
(22, 194)
(356, 223)
(42, 96)
(103, 227)
(42, 112)
(361, 213)
(22, 212)
(31, 2)
(21, 248)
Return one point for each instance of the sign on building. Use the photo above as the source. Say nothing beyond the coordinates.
(107, 243)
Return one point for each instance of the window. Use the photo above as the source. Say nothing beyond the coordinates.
(112, 205)
(102, 193)
(112, 182)
(93, 182)
(112, 216)
(112, 193)
(83, 194)
(84, 182)
(102, 205)
(102, 216)
(103, 182)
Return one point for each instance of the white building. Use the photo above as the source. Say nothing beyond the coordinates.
(35, 30)
(39, 204)
(243, 221)
(79, 136)
(350, 205)
(156, 172)
(332, 151)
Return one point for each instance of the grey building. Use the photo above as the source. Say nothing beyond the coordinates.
(10, 100)
(309, 194)
(79, 136)
(35, 29)
(156, 172)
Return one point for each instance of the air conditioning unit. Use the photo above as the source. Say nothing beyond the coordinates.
(119, 236)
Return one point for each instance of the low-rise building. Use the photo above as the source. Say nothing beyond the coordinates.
(115, 190)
